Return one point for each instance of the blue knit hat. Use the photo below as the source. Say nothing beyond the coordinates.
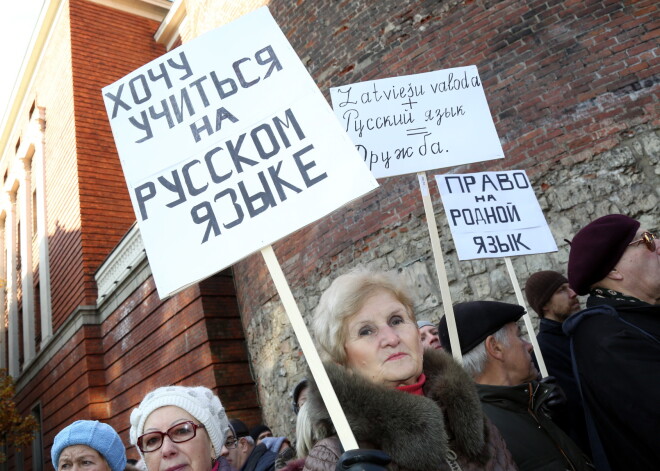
(97, 435)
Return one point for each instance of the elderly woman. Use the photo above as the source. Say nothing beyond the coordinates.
(177, 427)
(417, 406)
(88, 445)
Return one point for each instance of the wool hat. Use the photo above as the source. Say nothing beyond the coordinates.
(476, 320)
(239, 428)
(541, 286)
(258, 429)
(597, 248)
(296, 393)
(94, 434)
(198, 401)
(421, 324)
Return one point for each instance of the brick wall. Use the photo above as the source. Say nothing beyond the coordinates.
(106, 45)
(573, 89)
(104, 370)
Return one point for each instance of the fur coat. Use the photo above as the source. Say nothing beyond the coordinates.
(418, 433)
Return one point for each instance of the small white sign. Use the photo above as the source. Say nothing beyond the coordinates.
(494, 214)
(419, 122)
(227, 145)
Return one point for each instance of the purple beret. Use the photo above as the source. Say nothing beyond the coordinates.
(476, 320)
(597, 248)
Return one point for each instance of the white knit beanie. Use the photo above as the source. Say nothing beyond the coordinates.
(198, 401)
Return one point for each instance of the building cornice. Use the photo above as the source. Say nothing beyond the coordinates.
(168, 32)
(154, 9)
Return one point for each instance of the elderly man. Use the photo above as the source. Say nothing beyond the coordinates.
(429, 335)
(242, 454)
(500, 361)
(549, 294)
(616, 341)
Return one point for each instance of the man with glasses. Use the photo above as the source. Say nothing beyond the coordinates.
(615, 342)
(241, 452)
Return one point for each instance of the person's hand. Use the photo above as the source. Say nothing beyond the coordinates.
(556, 398)
(363, 460)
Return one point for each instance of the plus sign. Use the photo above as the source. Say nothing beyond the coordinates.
(409, 103)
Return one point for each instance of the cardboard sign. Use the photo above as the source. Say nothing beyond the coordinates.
(420, 122)
(227, 145)
(494, 214)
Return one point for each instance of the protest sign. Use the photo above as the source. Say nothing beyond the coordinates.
(494, 214)
(227, 145)
(419, 122)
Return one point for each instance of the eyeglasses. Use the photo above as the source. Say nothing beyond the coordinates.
(180, 433)
(231, 442)
(649, 240)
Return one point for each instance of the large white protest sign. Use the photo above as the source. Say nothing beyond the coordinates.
(415, 123)
(494, 214)
(227, 145)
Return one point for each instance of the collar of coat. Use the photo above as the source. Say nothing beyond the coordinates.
(415, 431)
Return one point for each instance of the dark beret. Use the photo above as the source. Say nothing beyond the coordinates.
(257, 430)
(239, 428)
(541, 286)
(597, 248)
(476, 320)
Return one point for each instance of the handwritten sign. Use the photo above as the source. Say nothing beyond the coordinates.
(420, 122)
(227, 145)
(494, 214)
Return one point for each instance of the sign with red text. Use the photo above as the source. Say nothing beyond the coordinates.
(494, 214)
(227, 145)
(419, 122)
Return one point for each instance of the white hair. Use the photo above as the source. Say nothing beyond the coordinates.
(344, 298)
(474, 361)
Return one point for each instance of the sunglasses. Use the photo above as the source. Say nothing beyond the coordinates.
(648, 239)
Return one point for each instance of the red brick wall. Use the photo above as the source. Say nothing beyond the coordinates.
(565, 80)
(106, 45)
(104, 371)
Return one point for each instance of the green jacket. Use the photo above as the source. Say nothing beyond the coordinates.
(534, 441)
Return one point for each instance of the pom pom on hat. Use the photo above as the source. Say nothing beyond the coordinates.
(198, 401)
(541, 286)
(476, 320)
(94, 434)
(597, 248)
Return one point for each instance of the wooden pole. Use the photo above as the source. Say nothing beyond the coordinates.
(309, 350)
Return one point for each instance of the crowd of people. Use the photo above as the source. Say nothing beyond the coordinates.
(411, 406)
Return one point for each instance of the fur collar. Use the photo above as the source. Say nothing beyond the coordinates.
(415, 431)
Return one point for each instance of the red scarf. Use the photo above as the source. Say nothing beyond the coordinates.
(416, 388)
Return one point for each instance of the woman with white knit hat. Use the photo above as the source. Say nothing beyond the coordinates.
(179, 426)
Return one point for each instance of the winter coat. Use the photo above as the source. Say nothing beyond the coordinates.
(616, 352)
(556, 349)
(418, 432)
(534, 440)
(261, 459)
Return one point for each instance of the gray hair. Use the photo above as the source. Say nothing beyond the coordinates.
(474, 361)
(344, 298)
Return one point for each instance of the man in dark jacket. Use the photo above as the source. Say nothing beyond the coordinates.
(500, 361)
(241, 452)
(616, 340)
(549, 294)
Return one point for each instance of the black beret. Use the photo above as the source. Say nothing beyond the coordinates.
(239, 428)
(597, 248)
(476, 320)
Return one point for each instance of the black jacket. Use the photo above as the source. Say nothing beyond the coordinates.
(533, 439)
(616, 348)
(556, 348)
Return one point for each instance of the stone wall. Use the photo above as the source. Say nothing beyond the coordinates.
(573, 89)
